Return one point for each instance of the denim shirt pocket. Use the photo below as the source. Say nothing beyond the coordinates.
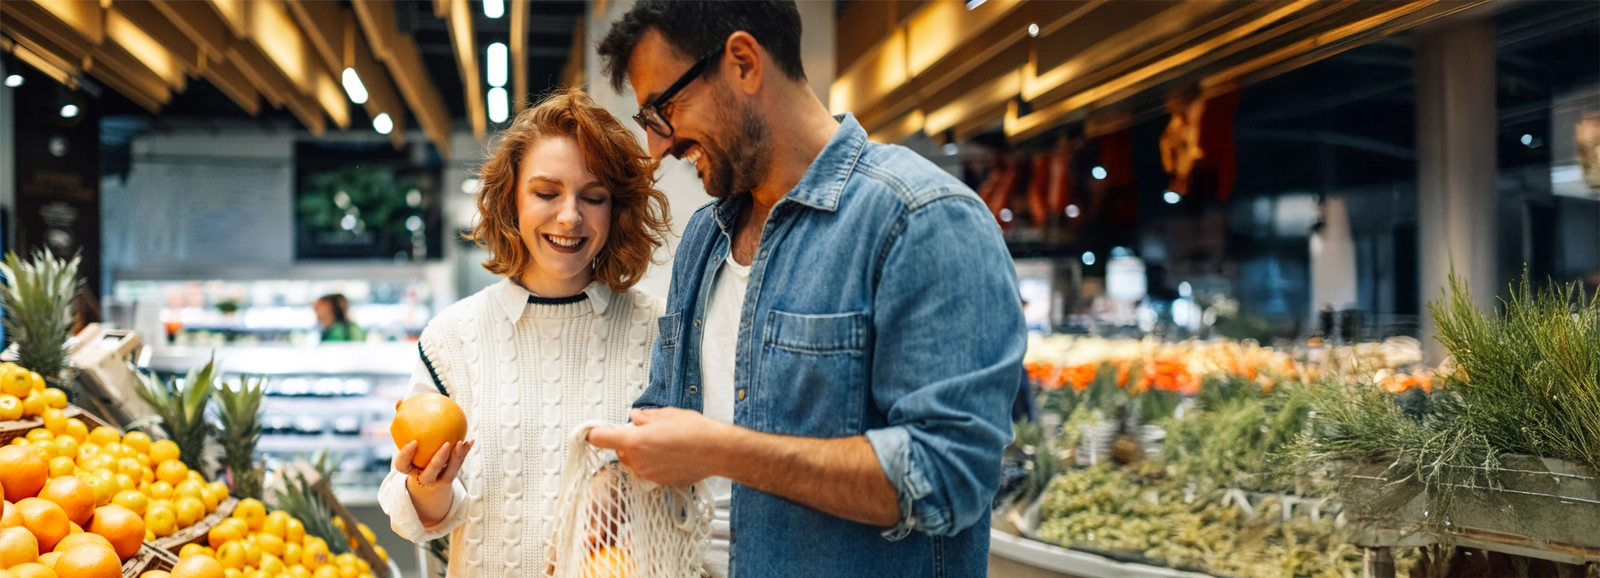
(669, 325)
(814, 367)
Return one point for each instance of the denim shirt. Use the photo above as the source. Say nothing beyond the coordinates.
(882, 301)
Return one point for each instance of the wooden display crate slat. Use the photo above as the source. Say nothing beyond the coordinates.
(1542, 508)
(12, 429)
(197, 532)
(149, 558)
(380, 567)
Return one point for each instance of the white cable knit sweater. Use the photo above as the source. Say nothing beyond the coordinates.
(525, 374)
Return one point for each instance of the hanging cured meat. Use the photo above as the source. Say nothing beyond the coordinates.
(1058, 194)
(1038, 183)
(996, 190)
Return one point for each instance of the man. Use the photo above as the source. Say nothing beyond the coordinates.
(844, 313)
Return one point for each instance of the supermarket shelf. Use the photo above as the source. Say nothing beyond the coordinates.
(1036, 554)
(389, 358)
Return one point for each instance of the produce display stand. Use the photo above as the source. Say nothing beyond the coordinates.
(12, 429)
(380, 567)
(197, 532)
(1070, 562)
(1536, 507)
(149, 558)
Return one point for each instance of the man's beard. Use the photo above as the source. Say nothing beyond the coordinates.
(737, 173)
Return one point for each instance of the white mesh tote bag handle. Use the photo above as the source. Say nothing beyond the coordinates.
(611, 523)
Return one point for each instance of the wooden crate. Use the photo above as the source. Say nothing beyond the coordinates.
(1542, 508)
(196, 532)
(16, 428)
(149, 558)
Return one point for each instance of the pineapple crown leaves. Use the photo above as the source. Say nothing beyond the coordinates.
(182, 411)
(38, 308)
(300, 500)
(238, 412)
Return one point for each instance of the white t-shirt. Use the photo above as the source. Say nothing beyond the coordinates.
(717, 350)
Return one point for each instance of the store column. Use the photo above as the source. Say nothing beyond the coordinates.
(1456, 194)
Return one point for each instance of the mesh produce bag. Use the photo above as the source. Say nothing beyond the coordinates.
(611, 523)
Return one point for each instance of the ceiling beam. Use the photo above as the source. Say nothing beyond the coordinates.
(227, 78)
(46, 26)
(40, 54)
(519, 55)
(149, 19)
(147, 50)
(398, 53)
(382, 98)
(200, 23)
(323, 24)
(466, 47)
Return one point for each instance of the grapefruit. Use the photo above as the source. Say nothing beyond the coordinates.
(22, 472)
(74, 496)
(429, 419)
(123, 528)
(89, 561)
(17, 546)
(46, 520)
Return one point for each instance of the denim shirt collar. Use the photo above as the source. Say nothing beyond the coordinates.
(822, 183)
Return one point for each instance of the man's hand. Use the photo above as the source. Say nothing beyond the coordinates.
(669, 446)
(678, 447)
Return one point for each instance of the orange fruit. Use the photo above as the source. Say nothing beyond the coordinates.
(74, 528)
(429, 419)
(172, 472)
(17, 546)
(16, 383)
(49, 560)
(189, 510)
(138, 441)
(33, 404)
(132, 500)
(33, 570)
(74, 496)
(89, 561)
(22, 472)
(192, 549)
(163, 451)
(46, 520)
(161, 521)
(55, 421)
(156, 574)
(103, 435)
(54, 398)
(198, 567)
(222, 534)
(121, 526)
(10, 407)
(103, 490)
(252, 511)
(77, 429)
(161, 490)
(74, 540)
(12, 518)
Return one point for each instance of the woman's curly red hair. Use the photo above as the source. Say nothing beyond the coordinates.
(639, 213)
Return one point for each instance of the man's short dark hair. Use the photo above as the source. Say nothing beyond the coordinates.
(693, 28)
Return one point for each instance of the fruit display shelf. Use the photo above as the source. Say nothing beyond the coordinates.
(149, 558)
(197, 532)
(12, 429)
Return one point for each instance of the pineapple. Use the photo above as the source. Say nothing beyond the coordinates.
(38, 309)
(239, 411)
(299, 499)
(182, 412)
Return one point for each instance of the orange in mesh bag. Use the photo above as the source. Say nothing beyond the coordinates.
(611, 523)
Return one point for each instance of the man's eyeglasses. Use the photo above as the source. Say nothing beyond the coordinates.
(652, 117)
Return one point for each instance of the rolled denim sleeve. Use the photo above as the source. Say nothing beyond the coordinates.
(947, 356)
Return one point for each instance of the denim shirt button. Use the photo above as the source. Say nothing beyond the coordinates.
(741, 395)
(694, 390)
(697, 324)
(745, 323)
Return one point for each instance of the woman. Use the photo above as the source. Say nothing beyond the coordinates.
(571, 220)
(333, 316)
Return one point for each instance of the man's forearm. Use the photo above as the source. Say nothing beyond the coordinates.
(839, 476)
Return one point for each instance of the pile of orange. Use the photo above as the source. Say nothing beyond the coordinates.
(253, 543)
(23, 393)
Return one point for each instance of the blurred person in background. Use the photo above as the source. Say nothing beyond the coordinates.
(333, 317)
(843, 313)
(571, 220)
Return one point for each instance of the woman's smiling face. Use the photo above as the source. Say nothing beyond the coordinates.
(563, 216)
